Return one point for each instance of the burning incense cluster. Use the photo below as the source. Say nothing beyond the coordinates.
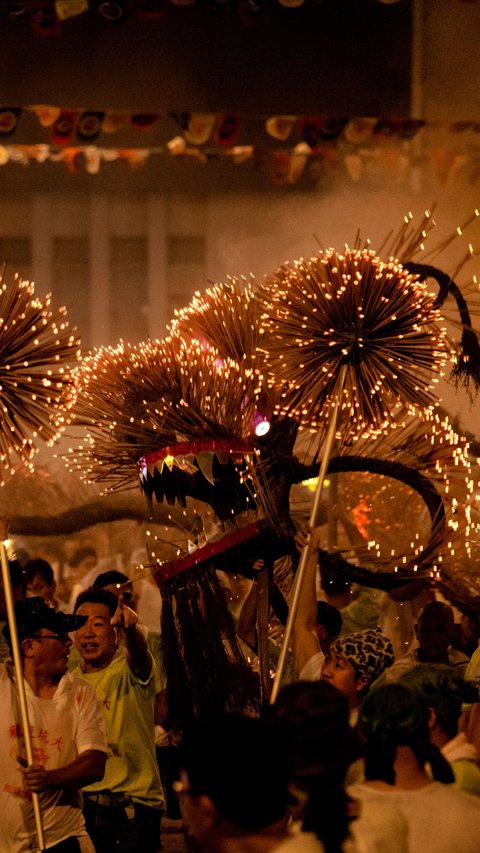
(36, 345)
(226, 316)
(134, 400)
(409, 245)
(350, 309)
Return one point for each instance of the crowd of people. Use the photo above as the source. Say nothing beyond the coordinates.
(371, 745)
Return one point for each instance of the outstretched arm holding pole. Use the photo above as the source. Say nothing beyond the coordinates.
(299, 577)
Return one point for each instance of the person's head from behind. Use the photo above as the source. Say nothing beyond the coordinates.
(234, 776)
(354, 661)
(395, 718)
(312, 718)
(96, 639)
(40, 579)
(435, 632)
(444, 690)
(117, 583)
(329, 624)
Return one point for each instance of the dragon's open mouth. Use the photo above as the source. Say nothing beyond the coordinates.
(212, 470)
(221, 473)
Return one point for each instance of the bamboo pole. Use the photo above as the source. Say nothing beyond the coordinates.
(300, 574)
(17, 661)
(263, 583)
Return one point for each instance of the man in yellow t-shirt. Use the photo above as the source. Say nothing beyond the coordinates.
(123, 811)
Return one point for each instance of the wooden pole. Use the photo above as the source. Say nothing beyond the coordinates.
(300, 574)
(17, 661)
(263, 583)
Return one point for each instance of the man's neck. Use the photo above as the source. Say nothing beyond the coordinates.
(409, 775)
(441, 657)
(42, 685)
(96, 666)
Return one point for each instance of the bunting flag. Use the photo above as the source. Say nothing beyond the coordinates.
(283, 167)
(63, 127)
(227, 130)
(70, 8)
(46, 17)
(89, 123)
(89, 126)
(46, 115)
(289, 148)
(8, 120)
(144, 121)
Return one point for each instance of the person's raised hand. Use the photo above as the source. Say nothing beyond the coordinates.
(305, 534)
(124, 617)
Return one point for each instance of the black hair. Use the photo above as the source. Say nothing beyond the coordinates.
(437, 609)
(37, 566)
(330, 617)
(313, 720)
(331, 581)
(395, 715)
(106, 578)
(444, 689)
(206, 671)
(97, 596)
(241, 764)
(17, 576)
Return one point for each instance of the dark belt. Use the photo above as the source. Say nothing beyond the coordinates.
(108, 799)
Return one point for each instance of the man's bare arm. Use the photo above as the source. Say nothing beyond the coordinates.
(87, 768)
(305, 640)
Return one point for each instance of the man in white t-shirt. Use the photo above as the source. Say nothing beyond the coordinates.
(67, 736)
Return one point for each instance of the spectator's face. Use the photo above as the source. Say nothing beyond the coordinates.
(38, 586)
(343, 675)
(198, 814)
(48, 652)
(96, 639)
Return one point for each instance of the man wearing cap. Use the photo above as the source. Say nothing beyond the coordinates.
(67, 736)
